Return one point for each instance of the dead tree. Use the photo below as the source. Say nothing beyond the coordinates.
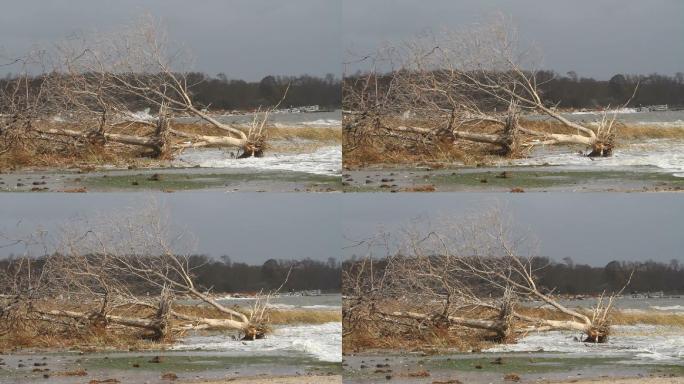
(468, 85)
(122, 272)
(91, 88)
(469, 274)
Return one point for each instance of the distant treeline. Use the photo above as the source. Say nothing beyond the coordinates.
(571, 91)
(649, 276)
(569, 278)
(220, 93)
(223, 275)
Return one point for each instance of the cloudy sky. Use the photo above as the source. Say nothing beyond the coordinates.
(595, 38)
(246, 39)
(248, 227)
(591, 228)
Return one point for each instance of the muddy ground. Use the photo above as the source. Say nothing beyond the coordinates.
(169, 179)
(155, 367)
(507, 179)
(478, 368)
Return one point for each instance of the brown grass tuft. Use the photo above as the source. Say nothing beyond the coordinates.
(368, 145)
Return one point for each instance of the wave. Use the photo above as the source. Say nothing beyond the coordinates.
(619, 111)
(324, 123)
(669, 308)
(321, 341)
(663, 154)
(643, 343)
(665, 124)
(311, 307)
(324, 161)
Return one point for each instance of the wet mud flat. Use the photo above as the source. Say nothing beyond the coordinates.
(167, 179)
(509, 179)
(154, 367)
(483, 368)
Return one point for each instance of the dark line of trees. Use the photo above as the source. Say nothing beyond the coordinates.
(649, 276)
(225, 276)
(573, 92)
(220, 93)
(566, 277)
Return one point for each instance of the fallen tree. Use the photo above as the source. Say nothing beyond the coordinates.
(125, 273)
(474, 85)
(91, 88)
(467, 276)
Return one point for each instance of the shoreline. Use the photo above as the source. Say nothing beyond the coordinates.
(529, 178)
(299, 379)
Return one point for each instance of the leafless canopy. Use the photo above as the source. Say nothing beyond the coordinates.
(110, 272)
(471, 273)
(90, 88)
(472, 84)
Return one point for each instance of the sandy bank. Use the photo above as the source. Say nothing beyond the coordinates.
(337, 379)
(632, 380)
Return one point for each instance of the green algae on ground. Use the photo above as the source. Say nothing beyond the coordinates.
(522, 365)
(193, 181)
(529, 178)
(200, 362)
(528, 365)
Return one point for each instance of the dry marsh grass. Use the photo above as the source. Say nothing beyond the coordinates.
(368, 146)
(366, 334)
(64, 153)
(41, 334)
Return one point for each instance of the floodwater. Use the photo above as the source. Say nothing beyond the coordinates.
(325, 160)
(658, 155)
(322, 342)
(654, 155)
(640, 343)
(332, 119)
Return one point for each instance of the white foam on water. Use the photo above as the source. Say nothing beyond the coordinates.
(640, 343)
(321, 306)
(324, 123)
(668, 124)
(321, 341)
(319, 123)
(673, 308)
(308, 307)
(143, 115)
(667, 155)
(324, 161)
(618, 111)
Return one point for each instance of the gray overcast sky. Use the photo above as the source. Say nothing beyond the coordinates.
(248, 227)
(596, 38)
(591, 228)
(243, 38)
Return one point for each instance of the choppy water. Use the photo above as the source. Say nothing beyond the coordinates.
(323, 161)
(635, 343)
(320, 341)
(328, 301)
(332, 119)
(630, 116)
(641, 343)
(659, 154)
(660, 304)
